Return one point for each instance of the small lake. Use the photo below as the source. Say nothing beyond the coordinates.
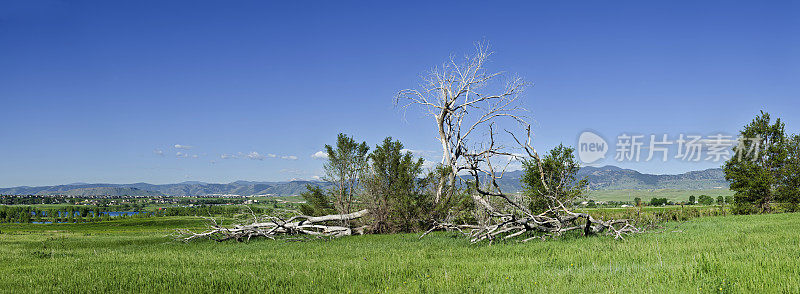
(109, 213)
(118, 213)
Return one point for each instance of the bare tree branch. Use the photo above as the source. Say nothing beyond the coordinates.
(464, 98)
(272, 226)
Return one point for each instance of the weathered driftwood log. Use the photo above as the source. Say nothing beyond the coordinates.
(271, 227)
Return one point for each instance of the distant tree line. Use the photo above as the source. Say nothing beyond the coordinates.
(88, 213)
(66, 214)
(208, 210)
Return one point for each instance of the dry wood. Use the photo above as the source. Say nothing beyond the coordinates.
(463, 97)
(271, 227)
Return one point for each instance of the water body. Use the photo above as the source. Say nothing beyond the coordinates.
(118, 213)
(109, 213)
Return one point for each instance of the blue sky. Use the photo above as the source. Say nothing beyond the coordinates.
(93, 91)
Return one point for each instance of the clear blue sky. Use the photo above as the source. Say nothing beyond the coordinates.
(92, 91)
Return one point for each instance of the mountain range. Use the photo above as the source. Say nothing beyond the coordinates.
(600, 178)
(193, 188)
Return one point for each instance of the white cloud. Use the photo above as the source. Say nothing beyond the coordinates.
(514, 157)
(252, 155)
(316, 178)
(181, 154)
(320, 155)
(184, 147)
(158, 152)
(289, 157)
(428, 164)
(255, 156)
(417, 152)
(195, 156)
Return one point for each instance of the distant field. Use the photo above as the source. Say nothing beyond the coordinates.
(731, 254)
(646, 195)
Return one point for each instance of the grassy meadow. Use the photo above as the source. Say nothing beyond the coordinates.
(671, 194)
(726, 254)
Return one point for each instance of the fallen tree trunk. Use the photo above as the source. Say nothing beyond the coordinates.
(271, 227)
(550, 224)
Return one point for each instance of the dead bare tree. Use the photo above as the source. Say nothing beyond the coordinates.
(461, 96)
(464, 98)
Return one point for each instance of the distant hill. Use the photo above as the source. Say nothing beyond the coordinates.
(243, 188)
(600, 178)
(616, 178)
(104, 191)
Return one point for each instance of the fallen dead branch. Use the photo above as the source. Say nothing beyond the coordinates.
(513, 218)
(272, 227)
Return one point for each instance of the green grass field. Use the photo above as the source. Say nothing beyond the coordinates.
(743, 254)
(646, 195)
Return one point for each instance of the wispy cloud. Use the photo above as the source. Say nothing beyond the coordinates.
(320, 155)
(158, 152)
(184, 147)
(255, 156)
(418, 152)
(181, 155)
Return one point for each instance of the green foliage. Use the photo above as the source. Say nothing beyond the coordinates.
(705, 200)
(457, 205)
(743, 207)
(789, 186)
(344, 168)
(756, 175)
(74, 214)
(658, 201)
(637, 201)
(692, 200)
(673, 195)
(560, 170)
(393, 191)
(317, 202)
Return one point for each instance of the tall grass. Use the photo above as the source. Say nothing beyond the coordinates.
(743, 254)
